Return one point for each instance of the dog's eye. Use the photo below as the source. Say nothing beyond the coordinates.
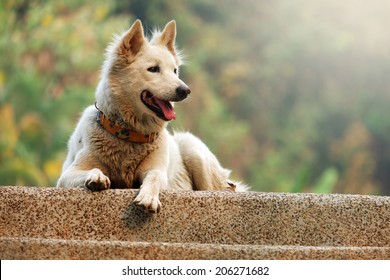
(175, 71)
(154, 69)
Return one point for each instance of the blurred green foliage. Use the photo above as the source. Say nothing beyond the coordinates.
(291, 95)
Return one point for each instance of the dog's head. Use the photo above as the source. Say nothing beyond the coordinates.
(143, 75)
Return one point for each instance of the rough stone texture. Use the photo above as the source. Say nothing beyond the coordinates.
(49, 223)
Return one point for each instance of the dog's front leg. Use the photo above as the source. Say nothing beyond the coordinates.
(150, 189)
(152, 172)
(93, 179)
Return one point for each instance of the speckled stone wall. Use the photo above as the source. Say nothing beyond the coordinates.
(49, 223)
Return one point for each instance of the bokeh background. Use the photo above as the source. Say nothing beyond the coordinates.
(293, 96)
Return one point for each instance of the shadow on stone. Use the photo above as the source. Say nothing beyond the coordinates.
(136, 216)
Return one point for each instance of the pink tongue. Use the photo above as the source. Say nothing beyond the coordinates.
(166, 108)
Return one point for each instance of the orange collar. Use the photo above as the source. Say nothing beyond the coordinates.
(123, 133)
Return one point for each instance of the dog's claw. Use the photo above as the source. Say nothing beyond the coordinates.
(97, 181)
(150, 203)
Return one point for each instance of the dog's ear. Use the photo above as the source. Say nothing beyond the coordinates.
(134, 39)
(168, 37)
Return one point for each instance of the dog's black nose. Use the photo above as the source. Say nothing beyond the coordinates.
(182, 92)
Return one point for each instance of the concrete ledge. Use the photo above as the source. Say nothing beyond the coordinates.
(49, 223)
(33, 248)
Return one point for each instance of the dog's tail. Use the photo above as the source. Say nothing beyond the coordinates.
(238, 187)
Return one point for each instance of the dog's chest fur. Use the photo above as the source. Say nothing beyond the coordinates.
(119, 159)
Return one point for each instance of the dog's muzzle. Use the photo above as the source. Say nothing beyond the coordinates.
(163, 108)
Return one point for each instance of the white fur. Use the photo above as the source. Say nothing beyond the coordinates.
(97, 160)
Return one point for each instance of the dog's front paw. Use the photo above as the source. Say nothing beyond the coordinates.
(97, 181)
(150, 202)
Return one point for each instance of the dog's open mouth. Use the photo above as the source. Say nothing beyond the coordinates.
(163, 109)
